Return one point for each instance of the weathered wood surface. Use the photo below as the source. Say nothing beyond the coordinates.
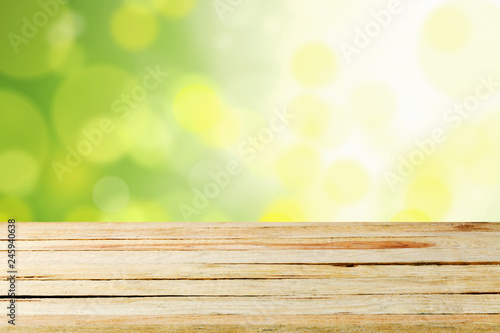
(229, 277)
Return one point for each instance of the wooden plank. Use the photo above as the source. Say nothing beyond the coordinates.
(233, 324)
(92, 271)
(92, 230)
(419, 255)
(359, 243)
(274, 280)
(340, 328)
(253, 306)
(248, 287)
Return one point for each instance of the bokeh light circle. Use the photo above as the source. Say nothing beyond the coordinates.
(19, 172)
(430, 195)
(458, 45)
(175, 9)
(134, 27)
(148, 138)
(197, 107)
(283, 210)
(315, 65)
(447, 28)
(346, 181)
(298, 166)
(316, 119)
(87, 112)
(26, 47)
(111, 194)
(137, 211)
(411, 215)
(21, 125)
(373, 104)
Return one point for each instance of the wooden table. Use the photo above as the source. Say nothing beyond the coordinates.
(261, 277)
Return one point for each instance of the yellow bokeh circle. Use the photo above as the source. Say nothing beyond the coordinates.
(227, 132)
(148, 138)
(474, 149)
(111, 194)
(458, 45)
(373, 104)
(411, 215)
(346, 181)
(298, 166)
(311, 115)
(283, 210)
(320, 121)
(484, 168)
(430, 195)
(447, 29)
(315, 65)
(466, 145)
(134, 27)
(197, 107)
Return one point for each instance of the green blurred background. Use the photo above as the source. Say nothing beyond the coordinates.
(75, 60)
(175, 110)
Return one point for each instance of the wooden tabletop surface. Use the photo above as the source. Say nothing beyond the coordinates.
(254, 277)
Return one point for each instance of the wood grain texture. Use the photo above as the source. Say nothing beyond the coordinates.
(260, 277)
